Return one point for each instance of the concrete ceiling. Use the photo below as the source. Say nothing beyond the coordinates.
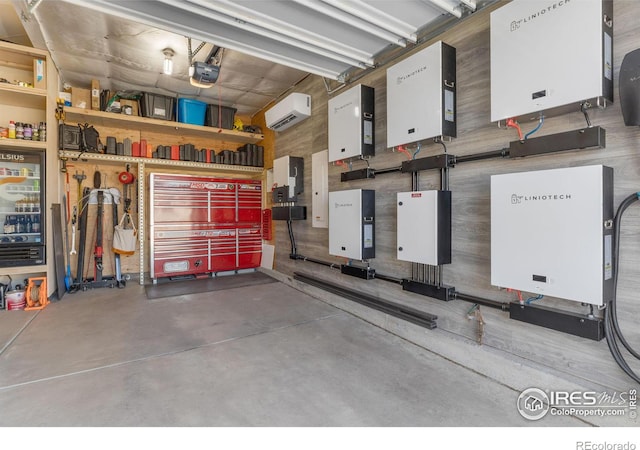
(123, 54)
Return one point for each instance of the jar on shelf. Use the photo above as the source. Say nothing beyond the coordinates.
(42, 130)
(19, 131)
(27, 131)
(12, 130)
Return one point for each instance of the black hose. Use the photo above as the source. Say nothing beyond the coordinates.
(612, 327)
(613, 345)
(616, 252)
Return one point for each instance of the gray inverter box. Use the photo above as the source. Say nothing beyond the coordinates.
(550, 57)
(552, 232)
(424, 227)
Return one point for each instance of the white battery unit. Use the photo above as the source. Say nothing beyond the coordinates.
(289, 171)
(550, 57)
(351, 119)
(552, 233)
(320, 188)
(352, 223)
(424, 227)
(421, 96)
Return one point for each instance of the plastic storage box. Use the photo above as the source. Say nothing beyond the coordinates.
(191, 111)
(157, 106)
(221, 116)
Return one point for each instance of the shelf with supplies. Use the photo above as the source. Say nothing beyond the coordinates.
(107, 119)
(22, 96)
(28, 89)
(74, 154)
(23, 144)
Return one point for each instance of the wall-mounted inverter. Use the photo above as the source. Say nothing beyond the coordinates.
(550, 56)
(289, 171)
(352, 223)
(351, 119)
(421, 96)
(552, 233)
(424, 227)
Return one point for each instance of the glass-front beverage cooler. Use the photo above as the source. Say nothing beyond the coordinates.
(22, 236)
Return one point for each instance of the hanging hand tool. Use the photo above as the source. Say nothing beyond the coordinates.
(126, 178)
(67, 189)
(97, 252)
(67, 278)
(82, 224)
(98, 249)
(79, 177)
(119, 280)
(73, 231)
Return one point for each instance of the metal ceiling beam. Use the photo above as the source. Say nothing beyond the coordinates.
(243, 14)
(445, 6)
(158, 15)
(356, 22)
(260, 31)
(369, 13)
(471, 4)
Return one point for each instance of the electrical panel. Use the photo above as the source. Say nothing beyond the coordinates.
(550, 57)
(421, 96)
(352, 223)
(552, 233)
(351, 120)
(289, 171)
(424, 227)
(320, 188)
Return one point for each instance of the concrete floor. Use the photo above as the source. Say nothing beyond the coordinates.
(264, 355)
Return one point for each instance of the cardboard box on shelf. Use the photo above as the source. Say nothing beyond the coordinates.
(95, 95)
(132, 103)
(66, 96)
(39, 74)
(80, 96)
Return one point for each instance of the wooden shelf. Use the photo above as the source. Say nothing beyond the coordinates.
(40, 269)
(21, 54)
(101, 118)
(22, 96)
(21, 144)
(156, 162)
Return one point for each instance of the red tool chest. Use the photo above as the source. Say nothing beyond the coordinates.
(204, 225)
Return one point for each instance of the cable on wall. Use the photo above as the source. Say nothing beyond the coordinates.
(613, 332)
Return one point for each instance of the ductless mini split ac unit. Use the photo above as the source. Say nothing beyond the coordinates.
(293, 109)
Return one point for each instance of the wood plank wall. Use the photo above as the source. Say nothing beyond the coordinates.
(575, 358)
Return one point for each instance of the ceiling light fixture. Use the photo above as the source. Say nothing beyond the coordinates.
(167, 67)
